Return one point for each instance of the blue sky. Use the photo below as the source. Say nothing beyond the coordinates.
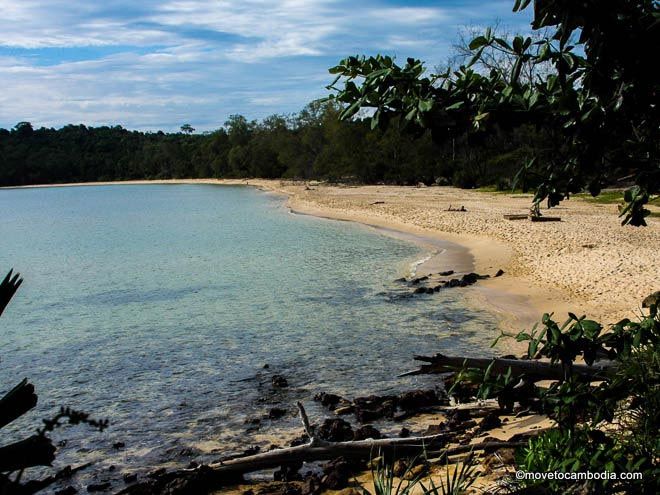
(153, 65)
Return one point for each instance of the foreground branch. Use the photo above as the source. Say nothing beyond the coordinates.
(532, 369)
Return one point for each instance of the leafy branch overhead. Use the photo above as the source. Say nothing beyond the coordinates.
(596, 94)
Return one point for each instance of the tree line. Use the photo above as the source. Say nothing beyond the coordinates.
(312, 144)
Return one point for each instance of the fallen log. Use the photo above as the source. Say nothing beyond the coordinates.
(532, 369)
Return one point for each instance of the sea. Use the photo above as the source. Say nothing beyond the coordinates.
(168, 309)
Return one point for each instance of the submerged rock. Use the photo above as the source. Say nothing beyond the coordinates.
(279, 381)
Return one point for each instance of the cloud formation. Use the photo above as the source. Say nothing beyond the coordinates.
(157, 64)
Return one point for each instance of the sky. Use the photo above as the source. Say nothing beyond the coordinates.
(157, 64)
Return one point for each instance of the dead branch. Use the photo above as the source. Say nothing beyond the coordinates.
(532, 369)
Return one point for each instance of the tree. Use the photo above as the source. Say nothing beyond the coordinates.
(187, 129)
(598, 97)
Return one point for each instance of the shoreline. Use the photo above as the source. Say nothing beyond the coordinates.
(537, 281)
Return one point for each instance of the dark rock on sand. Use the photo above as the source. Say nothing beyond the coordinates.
(335, 430)
(499, 273)
(373, 407)
(365, 432)
(491, 420)
(447, 273)
(417, 399)
(328, 400)
(336, 474)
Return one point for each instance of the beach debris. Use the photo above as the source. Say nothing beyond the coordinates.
(461, 209)
(533, 370)
(535, 218)
(378, 203)
(523, 216)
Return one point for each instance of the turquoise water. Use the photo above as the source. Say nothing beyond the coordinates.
(158, 306)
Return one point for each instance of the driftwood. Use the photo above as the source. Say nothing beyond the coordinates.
(222, 473)
(523, 216)
(535, 218)
(532, 369)
(17, 402)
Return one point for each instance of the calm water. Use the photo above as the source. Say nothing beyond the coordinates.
(158, 307)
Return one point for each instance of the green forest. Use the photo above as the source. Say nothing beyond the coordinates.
(312, 144)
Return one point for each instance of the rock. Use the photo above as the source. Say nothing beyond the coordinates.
(157, 473)
(401, 280)
(349, 491)
(436, 429)
(404, 433)
(328, 400)
(651, 300)
(335, 430)
(366, 431)
(340, 411)
(499, 273)
(420, 290)
(447, 273)
(276, 413)
(417, 471)
(98, 487)
(118, 445)
(311, 486)
(130, 478)
(301, 440)
(69, 490)
(399, 468)
(278, 489)
(373, 407)
(417, 399)
(288, 473)
(279, 381)
(416, 281)
(491, 420)
(336, 474)
(454, 282)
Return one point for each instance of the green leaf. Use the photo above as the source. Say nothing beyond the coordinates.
(478, 42)
(455, 106)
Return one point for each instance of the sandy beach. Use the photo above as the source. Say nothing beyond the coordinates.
(587, 263)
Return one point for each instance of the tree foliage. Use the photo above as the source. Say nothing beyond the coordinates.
(596, 98)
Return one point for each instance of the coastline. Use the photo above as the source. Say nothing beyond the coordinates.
(549, 267)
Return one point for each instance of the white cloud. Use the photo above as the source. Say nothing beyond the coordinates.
(157, 63)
